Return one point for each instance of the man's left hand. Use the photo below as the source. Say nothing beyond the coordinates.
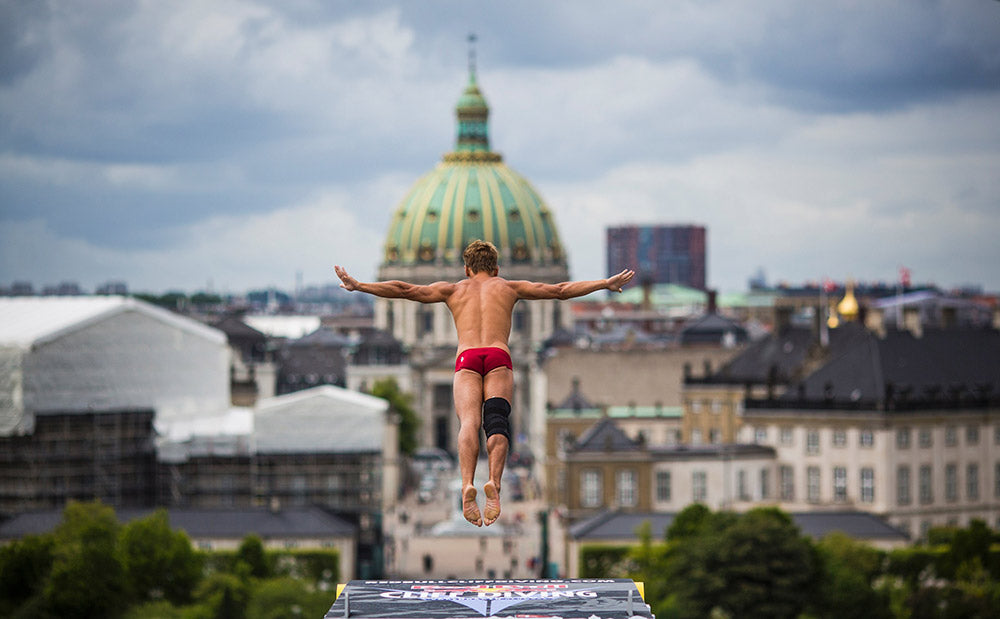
(346, 281)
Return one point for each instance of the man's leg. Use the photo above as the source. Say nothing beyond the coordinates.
(468, 395)
(499, 383)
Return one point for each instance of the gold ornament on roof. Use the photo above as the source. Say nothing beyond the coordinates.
(848, 306)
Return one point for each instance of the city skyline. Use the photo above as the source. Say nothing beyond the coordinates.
(235, 145)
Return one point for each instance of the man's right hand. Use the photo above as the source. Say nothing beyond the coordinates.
(616, 282)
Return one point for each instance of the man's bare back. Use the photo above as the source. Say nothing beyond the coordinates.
(481, 306)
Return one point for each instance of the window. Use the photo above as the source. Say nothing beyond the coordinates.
(996, 435)
(442, 395)
(839, 438)
(951, 482)
(765, 483)
(696, 437)
(520, 321)
(903, 485)
(972, 482)
(741, 485)
(903, 438)
(786, 475)
(951, 436)
(996, 479)
(812, 441)
(926, 489)
(925, 438)
(786, 435)
(760, 435)
(591, 488)
(866, 438)
(867, 485)
(839, 483)
(625, 488)
(699, 487)
(663, 485)
(972, 435)
(714, 436)
(427, 322)
(812, 484)
(695, 406)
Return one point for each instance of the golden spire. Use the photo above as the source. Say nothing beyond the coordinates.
(848, 306)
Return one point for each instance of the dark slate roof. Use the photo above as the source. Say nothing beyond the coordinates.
(234, 327)
(322, 337)
(378, 337)
(711, 328)
(576, 401)
(859, 525)
(711, 451)
(785, 351)
(623, 525)
(561, 337)
(208, 523)
(605, 435)
(947, 362)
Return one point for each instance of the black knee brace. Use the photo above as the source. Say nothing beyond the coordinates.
(496, 418)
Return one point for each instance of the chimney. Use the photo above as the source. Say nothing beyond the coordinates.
(713, 308)
(911, 321)
(875, 321)
(782, 318)
(647, 294)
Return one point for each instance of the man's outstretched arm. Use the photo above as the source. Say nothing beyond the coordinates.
(570, 290)
(394, 289)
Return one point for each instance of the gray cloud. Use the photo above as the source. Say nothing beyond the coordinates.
(131, 133)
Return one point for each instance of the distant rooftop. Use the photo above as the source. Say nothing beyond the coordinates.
(614, 525)
(29, 320)
(310, 522)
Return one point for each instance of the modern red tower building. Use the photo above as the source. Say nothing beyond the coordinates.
(659, 254)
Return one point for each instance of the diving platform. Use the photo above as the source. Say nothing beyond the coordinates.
(576, 598)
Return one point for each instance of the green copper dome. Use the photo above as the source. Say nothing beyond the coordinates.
(472, 195)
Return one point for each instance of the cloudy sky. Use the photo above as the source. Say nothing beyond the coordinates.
(232, 144)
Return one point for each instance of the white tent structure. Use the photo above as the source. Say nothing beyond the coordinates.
(95, 354)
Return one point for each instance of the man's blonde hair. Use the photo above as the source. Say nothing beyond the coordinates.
(481, 256)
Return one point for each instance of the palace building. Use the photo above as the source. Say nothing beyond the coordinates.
(471, 194)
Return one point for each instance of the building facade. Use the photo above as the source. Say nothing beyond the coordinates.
(660, 254)
(901, 423)
(471, 194)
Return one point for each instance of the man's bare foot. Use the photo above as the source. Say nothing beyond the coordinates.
(491, 511)
(469, 508)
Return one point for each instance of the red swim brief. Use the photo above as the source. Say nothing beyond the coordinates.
(483, 360)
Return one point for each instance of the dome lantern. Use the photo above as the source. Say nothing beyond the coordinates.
(472, 113)
(471, 194)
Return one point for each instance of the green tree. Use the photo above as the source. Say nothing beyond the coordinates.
(251, 553)
(402, 403)
(690, 522)
(753, 565)
(649, 561)
(24, 566)
(286, 598)
(966, 545)
(225, 595)
(87, 577)
(159, 561)
(847, 586)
